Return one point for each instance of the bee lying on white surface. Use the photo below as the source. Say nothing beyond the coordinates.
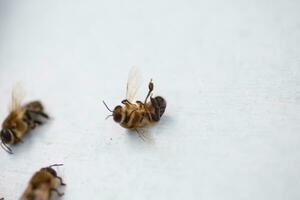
(21, 119)
(42, 184)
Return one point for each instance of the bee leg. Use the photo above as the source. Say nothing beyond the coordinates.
(32, 125)
(126, 102)
(60, 180)
(148, 114)
(16, 137)
(56, 191)
(43, 114)
(29, 122)
(141, 135)
(131, 113)
(37, 122)
(40, 113)
(142, 118)
(140, 104)
(151, 87)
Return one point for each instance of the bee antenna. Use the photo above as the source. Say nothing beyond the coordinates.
(6, 148)
(105, 119)
(56, 165)
(107, 106)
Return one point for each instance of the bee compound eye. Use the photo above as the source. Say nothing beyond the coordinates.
(5, 135)
(117, 117)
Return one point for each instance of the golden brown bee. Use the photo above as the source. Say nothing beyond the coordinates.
(139, 114)
(21, 119)
(42, 184)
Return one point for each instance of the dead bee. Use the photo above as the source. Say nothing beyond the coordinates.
(21, 119)
(139, 114)
(42, 184)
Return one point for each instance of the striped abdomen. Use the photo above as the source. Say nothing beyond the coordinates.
(158, 106)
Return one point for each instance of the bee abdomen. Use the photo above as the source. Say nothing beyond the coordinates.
(162, 104)
(159, 104)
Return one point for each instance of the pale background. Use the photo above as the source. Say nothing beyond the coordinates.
(230, 72)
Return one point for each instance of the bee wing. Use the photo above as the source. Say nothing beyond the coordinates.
(133, 83)
(17, 97)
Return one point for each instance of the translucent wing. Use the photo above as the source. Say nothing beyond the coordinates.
(17, 97)
(133, 83)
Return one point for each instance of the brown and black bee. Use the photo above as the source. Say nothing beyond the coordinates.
(21, 119)
(136, 115)
(42, 184)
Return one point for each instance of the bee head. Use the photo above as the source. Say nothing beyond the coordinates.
(118, 114)
(6, 136)
(50, 170)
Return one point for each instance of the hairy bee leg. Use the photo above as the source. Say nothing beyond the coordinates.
(60, 180)
(56, 191)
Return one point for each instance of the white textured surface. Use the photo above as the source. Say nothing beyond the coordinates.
(229, 71)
